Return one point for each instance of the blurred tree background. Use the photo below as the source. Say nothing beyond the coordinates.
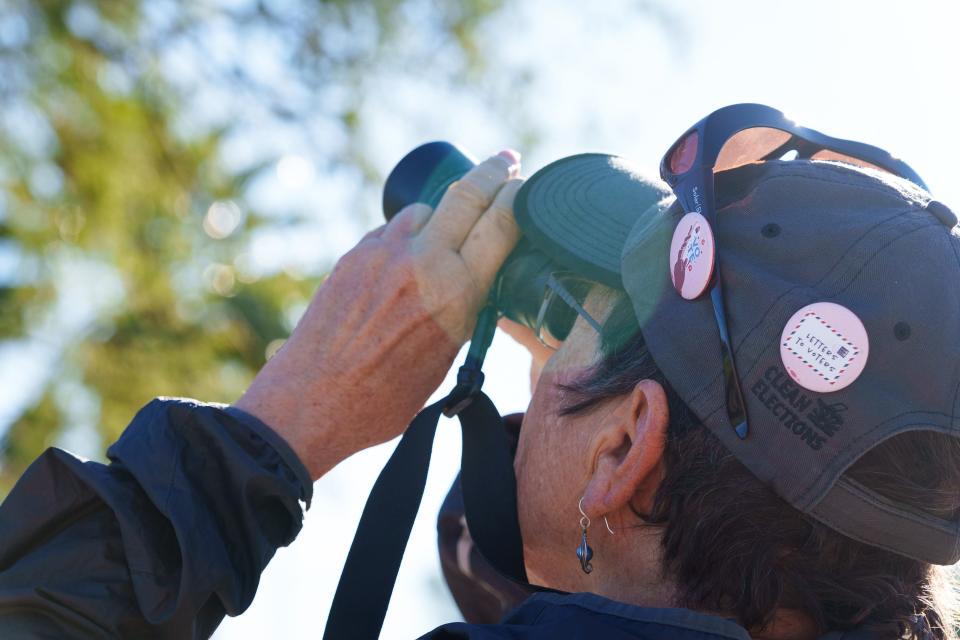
(176, 176)
(154, 235)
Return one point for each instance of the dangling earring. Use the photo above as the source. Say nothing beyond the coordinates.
(584, 552)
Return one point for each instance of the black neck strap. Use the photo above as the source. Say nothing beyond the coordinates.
(490, 504)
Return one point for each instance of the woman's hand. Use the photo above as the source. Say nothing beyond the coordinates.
(384, 327)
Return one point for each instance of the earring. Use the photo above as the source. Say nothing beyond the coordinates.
(584, 552)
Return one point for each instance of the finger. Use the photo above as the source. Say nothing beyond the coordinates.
(408, 221)
(524, 336)
(373, 233)
(466, 200)
(493, 237)
(521, 334)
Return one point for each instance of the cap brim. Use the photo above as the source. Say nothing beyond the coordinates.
(579, 211)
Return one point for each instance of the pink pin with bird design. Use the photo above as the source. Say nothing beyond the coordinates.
(692, 256)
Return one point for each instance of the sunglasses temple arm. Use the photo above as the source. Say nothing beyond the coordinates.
(570, 300)
(804, 148)
(738, 417)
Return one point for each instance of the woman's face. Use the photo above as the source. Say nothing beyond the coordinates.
(553, 461)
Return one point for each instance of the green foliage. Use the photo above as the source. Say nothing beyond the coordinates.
(110, 172)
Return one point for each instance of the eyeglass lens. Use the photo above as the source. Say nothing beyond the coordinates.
(563, 294)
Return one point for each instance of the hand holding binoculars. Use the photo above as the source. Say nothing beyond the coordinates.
(424, 175)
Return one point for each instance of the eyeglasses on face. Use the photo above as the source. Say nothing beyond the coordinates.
(563, 297)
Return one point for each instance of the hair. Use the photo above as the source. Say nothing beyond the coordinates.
(731, 544)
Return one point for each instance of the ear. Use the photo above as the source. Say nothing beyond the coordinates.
(628, 452)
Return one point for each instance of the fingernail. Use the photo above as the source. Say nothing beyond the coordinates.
(511, 156)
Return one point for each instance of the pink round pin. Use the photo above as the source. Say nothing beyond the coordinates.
(824, 347)
(692, 255)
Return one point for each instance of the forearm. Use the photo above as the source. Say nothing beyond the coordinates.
(162, 542)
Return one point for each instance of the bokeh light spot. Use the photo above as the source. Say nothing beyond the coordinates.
(221, 279)
(223, 218)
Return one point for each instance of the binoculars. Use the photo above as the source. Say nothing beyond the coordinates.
(424, 175)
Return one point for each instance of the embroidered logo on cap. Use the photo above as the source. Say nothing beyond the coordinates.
(824, 347)
(692, 256)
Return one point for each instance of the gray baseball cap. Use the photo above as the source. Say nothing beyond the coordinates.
(840, 288)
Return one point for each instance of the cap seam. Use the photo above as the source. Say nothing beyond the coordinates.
(846, 457)
(852, 277)
(874, 499)
(832, 523)
(828, 272)
(874, 185)
(956, 392)
(859, 492)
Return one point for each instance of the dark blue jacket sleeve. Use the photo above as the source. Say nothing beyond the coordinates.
(162, 542)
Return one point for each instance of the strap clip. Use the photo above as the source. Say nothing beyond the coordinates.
(469, 381)
(470, 375)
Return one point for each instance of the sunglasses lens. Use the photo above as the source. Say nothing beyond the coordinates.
(750, 145)
(760, 143)
(684, 153)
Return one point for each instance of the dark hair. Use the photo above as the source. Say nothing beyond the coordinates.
(732, 545)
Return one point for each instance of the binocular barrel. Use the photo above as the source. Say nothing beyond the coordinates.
(423, 175)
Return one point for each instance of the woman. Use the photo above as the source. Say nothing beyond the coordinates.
(625, 501)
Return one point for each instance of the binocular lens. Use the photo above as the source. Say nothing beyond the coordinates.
(423, 175)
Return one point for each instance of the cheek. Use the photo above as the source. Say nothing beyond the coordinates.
(550, 476)
(533, 445)
(540, 447)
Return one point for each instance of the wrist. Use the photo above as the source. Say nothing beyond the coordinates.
(292, 416)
